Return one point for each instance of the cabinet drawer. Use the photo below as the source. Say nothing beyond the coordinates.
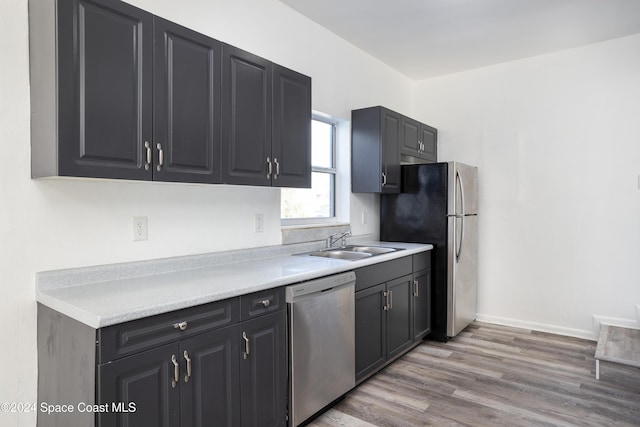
(382, 272)
(132, 337)
(263, 302)
(422, 261)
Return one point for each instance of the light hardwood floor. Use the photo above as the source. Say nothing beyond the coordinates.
(493, 375)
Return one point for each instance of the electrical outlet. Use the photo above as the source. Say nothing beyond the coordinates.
(364, 218)
(140, 231)
(259, 223)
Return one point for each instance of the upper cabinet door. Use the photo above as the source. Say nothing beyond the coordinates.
(419, 141)
(410, 137)
(186, 143)
(291, 143)
(391, 128)
(246, 118)
(105, 60)
(429, 139)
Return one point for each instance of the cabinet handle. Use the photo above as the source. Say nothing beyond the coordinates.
(385, 294)
(188, 359)
(160, 156)
(269, 168)
(176, 371)
(147, 147)
(275, 160)
(181, 325)
(384, 179)
(416, 288)
(246, 345)
(390, 299)
(265, 303)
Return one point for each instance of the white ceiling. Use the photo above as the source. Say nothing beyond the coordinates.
(426, 38)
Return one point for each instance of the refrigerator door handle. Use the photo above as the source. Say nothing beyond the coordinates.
(461, 186)
(459, 248)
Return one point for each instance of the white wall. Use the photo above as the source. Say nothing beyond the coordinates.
(557, 144)
(53, 224)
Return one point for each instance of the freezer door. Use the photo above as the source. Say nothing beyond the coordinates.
(462, 186)
(462, 260)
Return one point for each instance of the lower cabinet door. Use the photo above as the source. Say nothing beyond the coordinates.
(421, 305)
(139, 390)
(263, 370)
(371, 330)
(209, 370)
(399, 316)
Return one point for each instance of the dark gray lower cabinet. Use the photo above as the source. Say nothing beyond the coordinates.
(209, 388)
(203, 387)
(219, 364)
(421, 304)
(263, 373)
(394, 316)
(141, 385)
(399, 316)
(371, 330)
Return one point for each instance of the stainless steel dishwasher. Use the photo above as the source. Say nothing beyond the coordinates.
(321, 343)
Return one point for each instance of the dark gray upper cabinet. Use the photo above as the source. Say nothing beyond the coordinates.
(375, 156)
(136, 96)
(91, 98)
(246, 117)
(291, 143)
(382, 140)
(266, 117)
(119, 93)
(419, 142)
(186, 141)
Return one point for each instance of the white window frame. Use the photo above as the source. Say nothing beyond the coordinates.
(332, 171)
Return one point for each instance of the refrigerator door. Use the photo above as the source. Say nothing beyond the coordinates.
(462, 299)
(463, 189)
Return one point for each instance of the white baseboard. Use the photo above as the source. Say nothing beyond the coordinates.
(536, 326)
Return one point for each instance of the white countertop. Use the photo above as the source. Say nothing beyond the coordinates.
(130, 296)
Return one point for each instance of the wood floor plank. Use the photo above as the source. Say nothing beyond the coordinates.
(492, 375)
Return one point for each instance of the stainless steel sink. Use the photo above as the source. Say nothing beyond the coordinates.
(341, 254)
(352, 252)
(373, 250)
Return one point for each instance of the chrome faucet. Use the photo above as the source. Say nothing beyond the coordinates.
(331, 240)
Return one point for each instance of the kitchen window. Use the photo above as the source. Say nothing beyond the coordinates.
(299, 205)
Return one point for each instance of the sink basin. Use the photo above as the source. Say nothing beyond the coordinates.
(352, 252)
(341, 254)
(373, 250)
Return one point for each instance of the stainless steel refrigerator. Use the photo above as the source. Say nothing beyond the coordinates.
(439, 205)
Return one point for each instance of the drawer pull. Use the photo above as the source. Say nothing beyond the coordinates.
(188, 359)
(181, 325)
(246, 345)
(416, 284)
(266, 303)
(176, 371)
